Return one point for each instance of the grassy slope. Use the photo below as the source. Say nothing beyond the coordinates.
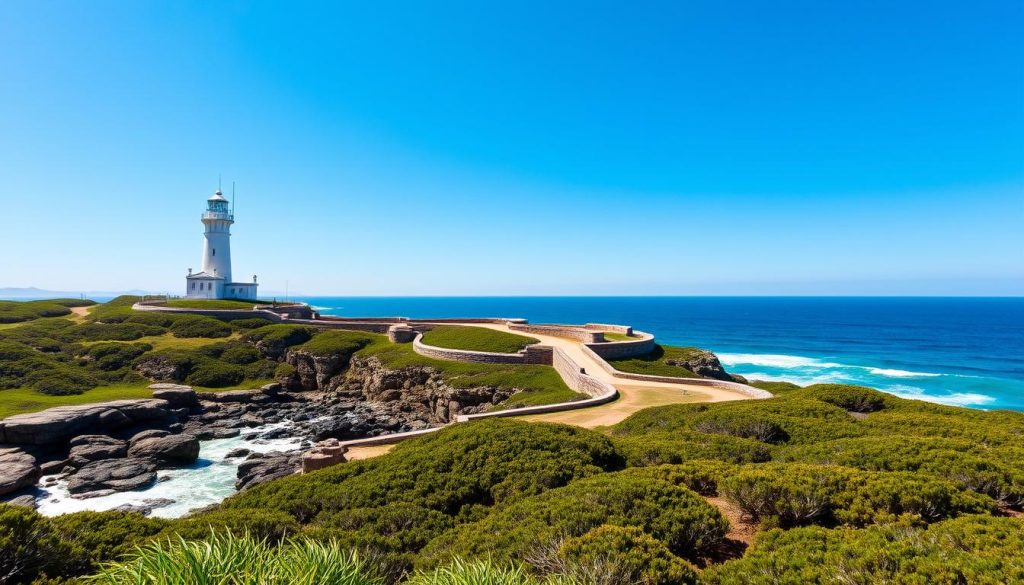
(543, 385)
(169, 341)
(476, 339)
(612, 336)
(655, 364)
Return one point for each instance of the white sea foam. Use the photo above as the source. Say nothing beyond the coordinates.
(900, 373)
(808, 363)
(773, 360)
(951, 399)
(208, 481)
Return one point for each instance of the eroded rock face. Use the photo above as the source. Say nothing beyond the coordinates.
(159, 367)
(315, 371)
(113, 474)
(59, 424)
(261, 468)
(87, 448)
(705, 364)
(18, 470)
(177, 396)
(166, 451)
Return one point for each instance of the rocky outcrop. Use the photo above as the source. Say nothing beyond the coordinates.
(419, 392)
(102, 477)
(160, 367)
(315, 371)
(56, 425)
(177, 396)
(260, 468)
(166, 451)
(88, 448)
(703, 363)
(18, 470)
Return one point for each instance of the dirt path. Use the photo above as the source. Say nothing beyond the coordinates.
(631, 399)
(79, 312)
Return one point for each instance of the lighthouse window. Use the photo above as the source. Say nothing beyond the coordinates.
(214, 252)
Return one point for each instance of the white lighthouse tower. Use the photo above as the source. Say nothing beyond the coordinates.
(214, 281)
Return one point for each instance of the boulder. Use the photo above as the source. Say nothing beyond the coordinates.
(160, 367)
(113, 474)
(176, 395)
(53, 467)
(261, 468)
(323, 454)
(27, 501)
(239, 452)
(148, 435)
(169, 450)
(88, 448)
(18, 470)
(55, 425)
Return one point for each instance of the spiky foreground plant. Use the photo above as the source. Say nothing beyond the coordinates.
(225, 559)
(460, 572)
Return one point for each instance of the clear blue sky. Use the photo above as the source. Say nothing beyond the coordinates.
(465, 148)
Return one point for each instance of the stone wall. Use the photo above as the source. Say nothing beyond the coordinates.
(709, 382)
(531, 354)
(642, 345)
(568, 331)
(623, 329)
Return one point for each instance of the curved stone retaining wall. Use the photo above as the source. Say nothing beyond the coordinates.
(567, 331)
(709, 382)
(642, 345)
(531, 354)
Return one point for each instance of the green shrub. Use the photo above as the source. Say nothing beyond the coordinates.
(98, 537)
(741, 424)
(796, 494)
(336, 342)
(60, 380)
(199, 326)
(29, 546)
(19, 311)
(623, 554)
(273, 340)
(776, 388)
(849, 398)
(678, 518)
(240, 353)
(215, 374)
(664, 360)
(114, 355)
(701, 476)
(677, 446)
(268, 525)
(459, 471)
(123, 331)
(970, 549)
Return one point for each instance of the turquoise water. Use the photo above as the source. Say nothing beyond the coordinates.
(960, 351)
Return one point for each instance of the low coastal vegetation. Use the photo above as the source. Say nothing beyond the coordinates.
(115, 352)
(476, 339)
(20, 311)
(819, 483)
(213, 304)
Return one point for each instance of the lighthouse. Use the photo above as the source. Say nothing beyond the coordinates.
(214, 280)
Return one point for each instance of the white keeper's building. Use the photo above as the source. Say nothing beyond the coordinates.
(214, 281)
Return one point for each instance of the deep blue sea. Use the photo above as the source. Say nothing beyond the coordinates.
(960, 351)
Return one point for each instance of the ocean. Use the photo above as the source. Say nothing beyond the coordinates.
(958, 351)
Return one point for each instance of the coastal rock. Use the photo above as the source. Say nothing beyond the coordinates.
(113, 474)
(55, 425)
(239, 452)
(27, 501)
(87, 448)
(149, 434)
(146, 507)
(160, 367)
(314, 370)
(166, 451)
(18, 470)
(53, 467)
(323, 454)
(704, 363)
(177, 396)
(261, 468)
